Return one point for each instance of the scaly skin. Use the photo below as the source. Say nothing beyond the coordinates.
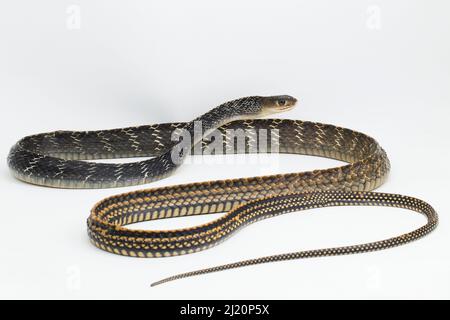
(55, 160)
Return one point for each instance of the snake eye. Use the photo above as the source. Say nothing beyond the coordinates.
(281, 102)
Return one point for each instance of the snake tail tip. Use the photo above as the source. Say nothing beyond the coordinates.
(157, 283)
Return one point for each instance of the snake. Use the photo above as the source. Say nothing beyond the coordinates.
(63, 159)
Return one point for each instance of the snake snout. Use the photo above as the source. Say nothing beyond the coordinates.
(275, 104)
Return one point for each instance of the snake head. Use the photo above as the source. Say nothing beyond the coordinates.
(275, 104)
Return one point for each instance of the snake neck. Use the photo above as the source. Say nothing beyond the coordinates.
(193, 133)
(239, 109)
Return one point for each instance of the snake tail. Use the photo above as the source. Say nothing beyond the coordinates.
(273, 206)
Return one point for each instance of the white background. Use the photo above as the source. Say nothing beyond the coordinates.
(381, 67)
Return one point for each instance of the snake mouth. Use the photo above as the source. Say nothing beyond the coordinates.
(286, 108)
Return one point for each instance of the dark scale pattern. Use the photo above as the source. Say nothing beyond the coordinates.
(55, 159)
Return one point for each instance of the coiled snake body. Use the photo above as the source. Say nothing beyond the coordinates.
(55, 159)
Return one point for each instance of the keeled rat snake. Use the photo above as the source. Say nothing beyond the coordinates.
(55, 160)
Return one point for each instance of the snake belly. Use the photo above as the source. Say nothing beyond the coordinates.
(56, 160)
